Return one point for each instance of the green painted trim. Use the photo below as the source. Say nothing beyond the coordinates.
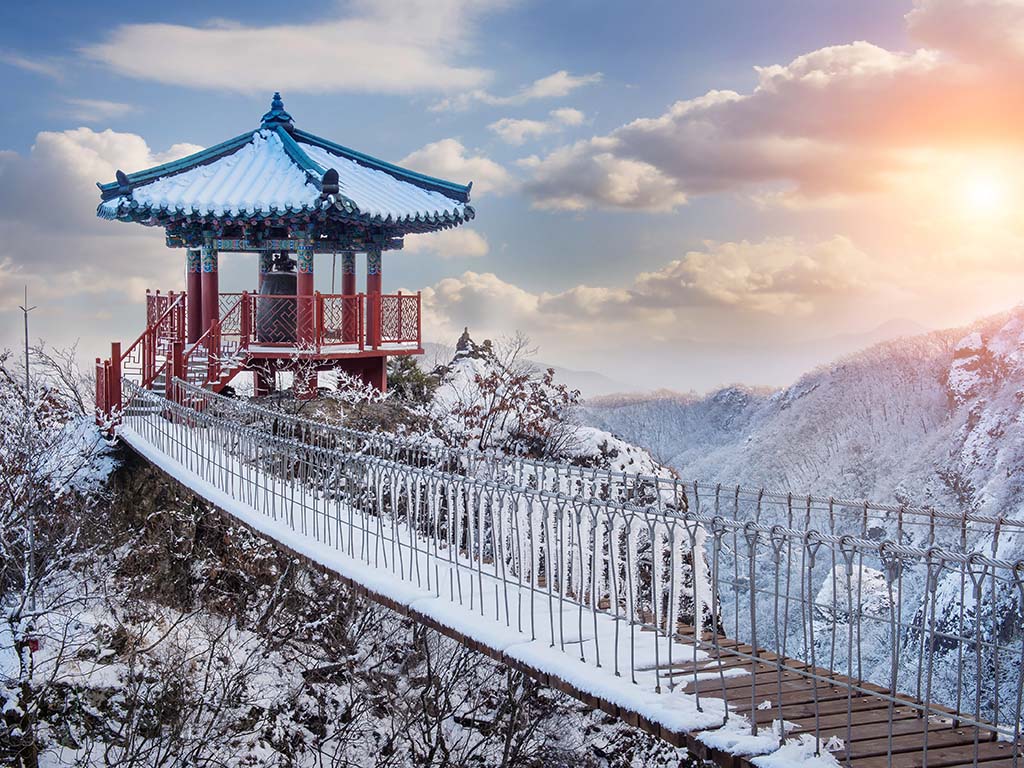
(449, 188)
(296, 153)
(203, 157)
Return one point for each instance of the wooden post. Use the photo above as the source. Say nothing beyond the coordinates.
(194, 299)
(419, 319)
(213, 353)
(376, 372)
(305, 331)
(398, 331)
(107, 395)
(348, 274)
(266, 263)
(210, 288)
(349, 307)
(101, 392)
(245, 321)
(361, 322)
(263, 380)
(318, 320)
(175, 369)
(114, 380)
(373, 286)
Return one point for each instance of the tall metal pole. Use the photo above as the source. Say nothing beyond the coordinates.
(30, 560)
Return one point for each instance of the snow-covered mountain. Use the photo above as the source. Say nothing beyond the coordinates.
(589, 383)
(931, 420)
(935, 419)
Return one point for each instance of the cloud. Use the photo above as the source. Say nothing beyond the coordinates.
(836, 123)
(590, 172)
(449, 243)
(98, 110)
(448, 159)
(393, 46)
(554, 86)
(517, 131)
(47, 68)
(775, 276)
(477, 300)
(975, 30)
(743, 281)
(50, 237)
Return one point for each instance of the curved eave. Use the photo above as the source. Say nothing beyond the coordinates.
(450, 189)
(112, 189)
(331, 208)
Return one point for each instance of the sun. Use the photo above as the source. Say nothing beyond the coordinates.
(984, 194)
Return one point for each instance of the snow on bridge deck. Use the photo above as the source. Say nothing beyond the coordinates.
(455, 558)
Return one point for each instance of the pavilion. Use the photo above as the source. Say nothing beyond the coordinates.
(278, 192)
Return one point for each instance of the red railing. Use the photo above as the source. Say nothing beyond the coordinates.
(333, 320)
(219, 348)
(321, 322)
(400, 318)
(340, 320)
(146, 357)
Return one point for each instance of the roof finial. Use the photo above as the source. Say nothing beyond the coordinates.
(277, 114)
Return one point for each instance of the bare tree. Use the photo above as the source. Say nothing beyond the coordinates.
(48, 452)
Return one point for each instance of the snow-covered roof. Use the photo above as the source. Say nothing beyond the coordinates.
(278, 171)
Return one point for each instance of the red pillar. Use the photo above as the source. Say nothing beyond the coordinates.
(114, 380)
(305, 332)
(210, 289)
(348, 274)
(266, 264)
(375, 372)
(373, 286)
(263, 381)
(194, 301)
(349, 310)
(175, 369)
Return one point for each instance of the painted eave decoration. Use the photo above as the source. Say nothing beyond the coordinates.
(279, 172)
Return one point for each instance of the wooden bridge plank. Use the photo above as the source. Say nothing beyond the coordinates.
(939, 757)
(863, 731)
(836, 724)
(835, 707)
(766, 677)
(821, 694)
(911, 742)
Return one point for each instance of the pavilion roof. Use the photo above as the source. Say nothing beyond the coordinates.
(279, 172)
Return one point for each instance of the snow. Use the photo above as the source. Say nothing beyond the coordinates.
(798, 752)
(378, 193)
(261, 175)
(563, 644)
(676, 711)
(970, 343)
(935, 420)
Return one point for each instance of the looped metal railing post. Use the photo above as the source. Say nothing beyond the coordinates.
(811, 546)
(750, 533)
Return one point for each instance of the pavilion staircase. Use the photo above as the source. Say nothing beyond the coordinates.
(160, 353)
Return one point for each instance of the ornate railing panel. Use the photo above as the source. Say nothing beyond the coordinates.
(399, 318)
(340, 320)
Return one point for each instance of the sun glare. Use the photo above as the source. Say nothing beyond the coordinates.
(984, 194)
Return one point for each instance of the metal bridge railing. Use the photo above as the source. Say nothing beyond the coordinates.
(838, 516)
(676, 596)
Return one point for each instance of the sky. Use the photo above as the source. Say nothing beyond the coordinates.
(674, 194)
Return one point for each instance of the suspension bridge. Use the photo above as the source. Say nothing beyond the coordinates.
(736, 622)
